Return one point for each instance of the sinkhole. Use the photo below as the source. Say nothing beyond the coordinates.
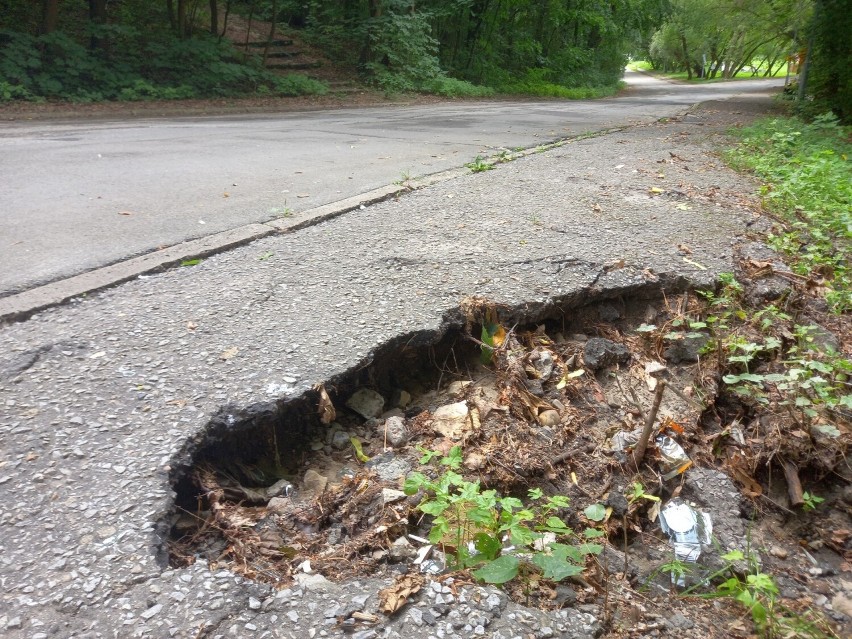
(527, 401)
(315, 482)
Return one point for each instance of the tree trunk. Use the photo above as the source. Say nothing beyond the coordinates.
(49, 16)
(97, 15)
(181, 18)
(225, 20)
(170, 6)
(214, 17)
(271, 36)
(686, 62)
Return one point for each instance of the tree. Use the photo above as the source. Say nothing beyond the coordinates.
(831, 57)
(49, 16)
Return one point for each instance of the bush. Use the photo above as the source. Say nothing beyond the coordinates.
(294, 84)
(551, 90)
(134, 67)
(454, 88)
(402, 53)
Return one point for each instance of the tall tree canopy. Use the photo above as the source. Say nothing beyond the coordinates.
(95, 49)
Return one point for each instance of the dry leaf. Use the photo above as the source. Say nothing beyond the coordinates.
(325, 410)
(396, 595)
(125, 212)
(684, 248)
(229, 353)
(750, 486)
(191, 326)
(596, 208)
(695, 264)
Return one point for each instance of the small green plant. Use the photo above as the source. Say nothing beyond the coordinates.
(479, 165)
(472, 525)
(637, 492)
(808, 380)
(758, 593)
(808, 184)
(811, 501)
(404, 178)
(678, 569)
(192, 262)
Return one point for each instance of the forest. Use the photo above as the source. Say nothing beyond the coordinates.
(92, 50)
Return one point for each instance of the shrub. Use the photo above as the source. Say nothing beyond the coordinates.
(454, 88)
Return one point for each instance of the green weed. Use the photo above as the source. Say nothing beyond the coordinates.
(479, 164)
(808, 184)
(472, 523)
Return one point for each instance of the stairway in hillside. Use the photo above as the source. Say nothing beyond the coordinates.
(287, 53)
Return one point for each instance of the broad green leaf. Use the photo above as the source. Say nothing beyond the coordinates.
(555, 568)
(487, 545)
(433, 508)
(558, 501)
(590, 549)
(734, 555)
(565, 552)
(592, 533)
(556, 524)
(499, 571)
(744, 377)
(511, 503)
(595, 512)
(454, 458)
(827, 429)
(413, 483)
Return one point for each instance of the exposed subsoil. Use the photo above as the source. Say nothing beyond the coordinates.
(546, 412)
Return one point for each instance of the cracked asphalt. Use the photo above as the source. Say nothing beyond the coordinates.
(99, 397)
(109, 190)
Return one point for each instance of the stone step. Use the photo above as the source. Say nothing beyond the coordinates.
(260, 44)
(282, 54)
(294, 66)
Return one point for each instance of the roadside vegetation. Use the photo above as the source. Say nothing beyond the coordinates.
(807, 185)
(757, 69)
(172, 49)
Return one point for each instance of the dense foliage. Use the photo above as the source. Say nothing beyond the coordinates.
(131, 50)
(530, 46)
(136, 49)
(831, 68)
(711, 38)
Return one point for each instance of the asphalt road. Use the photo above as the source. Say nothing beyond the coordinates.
(79, 195)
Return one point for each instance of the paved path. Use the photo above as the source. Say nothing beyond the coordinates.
(101, 399)
(80, 195)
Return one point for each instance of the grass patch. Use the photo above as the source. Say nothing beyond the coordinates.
(546, 89)
(807, 184)
(454, 88)
(640, 65)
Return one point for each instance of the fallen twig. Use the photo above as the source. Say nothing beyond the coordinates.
(642, 444)
(794, 485)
